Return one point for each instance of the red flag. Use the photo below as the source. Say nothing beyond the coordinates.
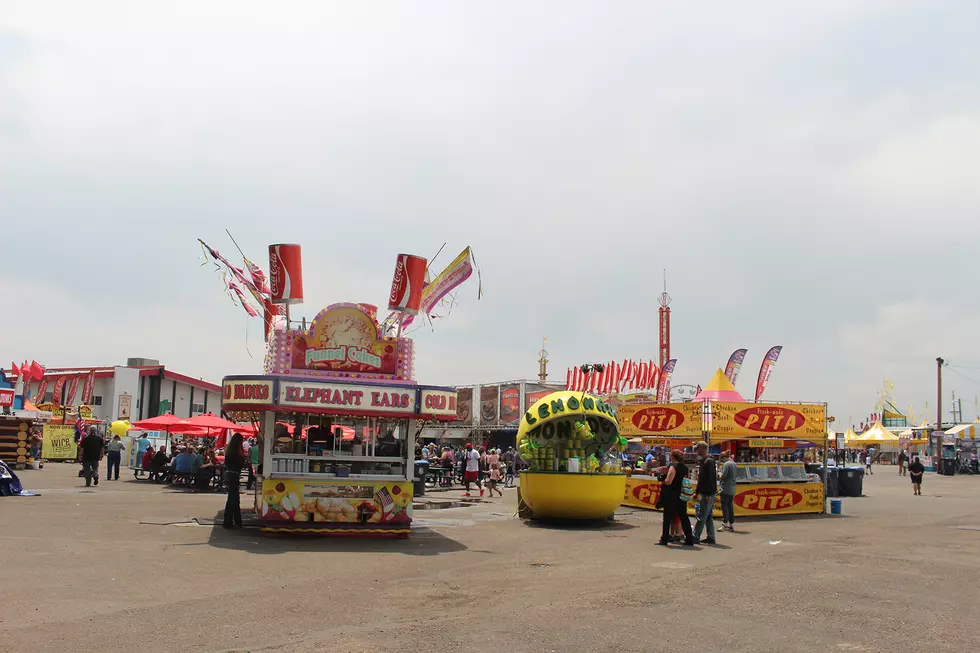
(611, 385)
(14, 370)
(624, 374)
(654, 376)
(25, 371)
(258, 277)
(36, 370)
(568, 379)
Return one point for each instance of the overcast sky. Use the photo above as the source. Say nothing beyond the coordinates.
(808, 173)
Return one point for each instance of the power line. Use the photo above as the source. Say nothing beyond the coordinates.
(963, 375)
(963, 367)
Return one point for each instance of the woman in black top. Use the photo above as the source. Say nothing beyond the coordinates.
(234, 463)
(671, 498)
(915, 473)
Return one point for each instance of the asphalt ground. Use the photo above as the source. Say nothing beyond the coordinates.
(133, 566)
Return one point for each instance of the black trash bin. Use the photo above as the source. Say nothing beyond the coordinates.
(851, 481)
(833, 483)
(421, 469)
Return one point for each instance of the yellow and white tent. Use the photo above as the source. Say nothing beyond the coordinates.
(877, 434)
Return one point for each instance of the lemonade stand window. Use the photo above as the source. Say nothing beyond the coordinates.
(571, 445)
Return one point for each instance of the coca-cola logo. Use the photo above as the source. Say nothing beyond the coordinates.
(397, 282)
(274, 271)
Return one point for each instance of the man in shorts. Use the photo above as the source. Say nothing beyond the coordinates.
(471, 469)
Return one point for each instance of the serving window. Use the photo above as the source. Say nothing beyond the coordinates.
(339, 445)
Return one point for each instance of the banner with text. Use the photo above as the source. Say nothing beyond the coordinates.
(730, 420)
(661, 419)
(59, 442)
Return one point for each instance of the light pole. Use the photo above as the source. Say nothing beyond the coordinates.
(937, 449)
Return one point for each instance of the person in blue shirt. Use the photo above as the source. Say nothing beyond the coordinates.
(184, 462)
(142, 444)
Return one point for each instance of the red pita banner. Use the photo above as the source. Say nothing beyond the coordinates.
(766, 370)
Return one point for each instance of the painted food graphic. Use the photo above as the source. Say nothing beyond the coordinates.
(290, 501)
(344, 339)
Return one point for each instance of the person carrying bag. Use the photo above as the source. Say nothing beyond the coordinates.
(674, 505)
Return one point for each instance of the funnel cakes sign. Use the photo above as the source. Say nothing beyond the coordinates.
(344, 340)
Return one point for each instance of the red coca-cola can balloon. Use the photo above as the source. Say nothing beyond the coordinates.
(286, 274)
(406, 286)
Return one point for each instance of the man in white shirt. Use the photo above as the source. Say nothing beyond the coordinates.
(471, 472)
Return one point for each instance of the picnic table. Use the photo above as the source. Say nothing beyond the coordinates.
(441, 476)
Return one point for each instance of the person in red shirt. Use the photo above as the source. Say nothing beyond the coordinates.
(147, 459)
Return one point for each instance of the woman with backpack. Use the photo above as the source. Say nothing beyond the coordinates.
(673, 493)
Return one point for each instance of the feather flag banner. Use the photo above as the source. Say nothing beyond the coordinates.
(89, 388)
(59, 387)
(765, 371)
(735, 364)
(72, 390)
(663, 388)
(42, 391)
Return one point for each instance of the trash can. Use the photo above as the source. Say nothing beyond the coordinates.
(835, 506)
(832, 485)
(421, 469)
(851, 482)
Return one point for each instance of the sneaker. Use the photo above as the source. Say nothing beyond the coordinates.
(690, 542)
(481, 491)
(466, 494)
(709, 541)
(661, 543)
(731, 528)
(96, 480)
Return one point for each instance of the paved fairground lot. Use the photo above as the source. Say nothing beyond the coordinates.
(130, 566)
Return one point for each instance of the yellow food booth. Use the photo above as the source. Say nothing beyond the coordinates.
(762, 488)
(570, 442)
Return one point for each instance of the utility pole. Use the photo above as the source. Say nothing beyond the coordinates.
(939, 416)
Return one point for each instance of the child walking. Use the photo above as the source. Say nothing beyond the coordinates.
(495, 477)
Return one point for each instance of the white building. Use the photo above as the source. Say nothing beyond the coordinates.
(147, 387)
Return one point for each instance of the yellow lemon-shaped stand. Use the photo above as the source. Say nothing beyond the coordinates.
(555, 495)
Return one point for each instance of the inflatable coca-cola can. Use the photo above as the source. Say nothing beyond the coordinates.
(286, 274)
(406, 286)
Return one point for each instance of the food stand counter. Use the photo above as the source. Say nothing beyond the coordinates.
(762, 489)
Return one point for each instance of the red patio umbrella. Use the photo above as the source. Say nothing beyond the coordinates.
(167, 422)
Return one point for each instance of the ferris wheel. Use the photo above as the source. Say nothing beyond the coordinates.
(682, 393)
